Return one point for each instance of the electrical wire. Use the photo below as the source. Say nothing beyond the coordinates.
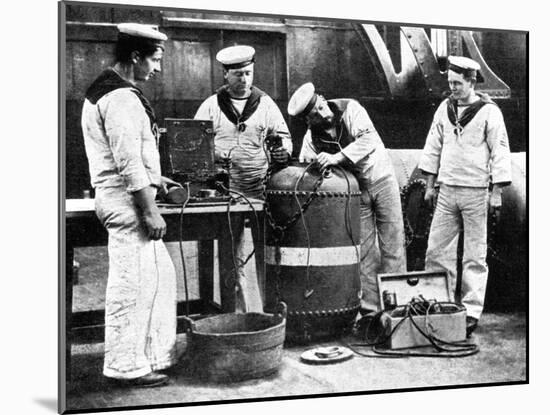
(456, 349)
(416, 353)
(332, 142)
(459, 349)
(232, 238)
(183, 206)
(348, 218)
(149, 338)
(256, 219)
(221, 185)
(308, 291)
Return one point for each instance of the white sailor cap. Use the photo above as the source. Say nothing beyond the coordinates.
(464, 63)
(302, 101)
(141, 30)
(465, 66)
(235, 57)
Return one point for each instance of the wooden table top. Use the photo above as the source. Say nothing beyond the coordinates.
(85, 207)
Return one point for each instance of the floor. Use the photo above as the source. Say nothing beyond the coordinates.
(502, 358)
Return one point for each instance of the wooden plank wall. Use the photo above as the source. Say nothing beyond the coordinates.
(289, 53)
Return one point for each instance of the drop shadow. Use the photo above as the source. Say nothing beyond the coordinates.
(48, 403)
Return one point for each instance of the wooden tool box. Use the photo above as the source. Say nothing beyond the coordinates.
(448, 325)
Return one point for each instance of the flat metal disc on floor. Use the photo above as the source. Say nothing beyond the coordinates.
(322, 355)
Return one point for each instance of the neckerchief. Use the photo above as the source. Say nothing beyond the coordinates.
(224, 102)
(468, 114)
(323, 141)
(108, 81)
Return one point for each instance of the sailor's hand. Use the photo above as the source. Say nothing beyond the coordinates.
(280, 155)
(430, 197)
(495, 203)
(165, 183)
(223, 158)
(307, 159)
(154, 224)
(326, 160)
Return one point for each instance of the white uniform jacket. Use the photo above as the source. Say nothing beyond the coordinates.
(359, 142)
(472, 158)
(120, 145)
(246, 148)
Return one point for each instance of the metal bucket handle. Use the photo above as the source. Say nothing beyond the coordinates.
(190, 324)
(281, 310)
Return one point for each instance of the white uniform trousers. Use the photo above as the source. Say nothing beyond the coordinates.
(248, 297)
(140, 309)
(469, 204)
(382, 236)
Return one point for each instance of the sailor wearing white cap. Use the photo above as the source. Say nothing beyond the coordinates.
(235, 57)
(342, 133)
(139, 30)
(467, 152)
(245, 121)
(120, 136)
(465, 66)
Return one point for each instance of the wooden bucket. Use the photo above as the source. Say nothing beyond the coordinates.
(236, 347)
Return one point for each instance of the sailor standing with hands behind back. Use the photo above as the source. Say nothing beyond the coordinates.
(467, 152)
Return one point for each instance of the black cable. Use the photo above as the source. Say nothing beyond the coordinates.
(305, 226)
(348, 218)
(458, 349)
(241, 195)
(256, 219)
(232, 241)
(435, 340)
(183, 206)
(414, 353)
(332, 142)
(377, 341)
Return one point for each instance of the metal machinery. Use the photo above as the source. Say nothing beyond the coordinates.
(313, 249)
(321, 297)
(507, 237)
(187, 156)
(420, 64)
(410, 62)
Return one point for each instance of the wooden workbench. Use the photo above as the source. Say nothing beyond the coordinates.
(204, 224)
